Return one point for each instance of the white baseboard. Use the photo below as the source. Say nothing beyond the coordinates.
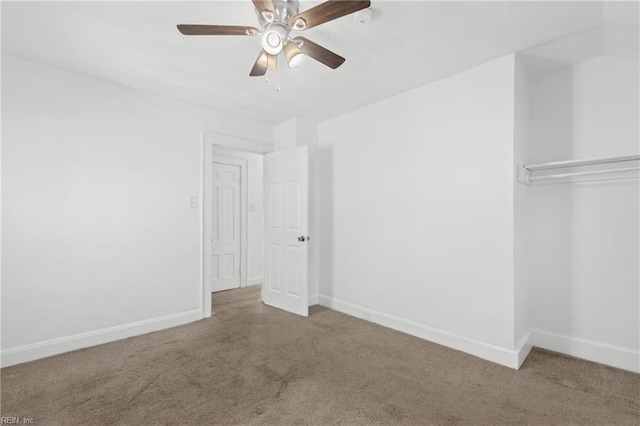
(254, 281)
(506, 357)
(591, 351)
(314, 299)
(31, 352)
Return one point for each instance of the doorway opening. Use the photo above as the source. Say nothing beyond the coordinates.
(232, 211)
(255, 222)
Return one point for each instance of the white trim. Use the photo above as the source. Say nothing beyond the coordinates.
(206, 176)
(506, 357)
(591, 351)
(254, 281)
(221, 140)
(314, 299)
(33, 351)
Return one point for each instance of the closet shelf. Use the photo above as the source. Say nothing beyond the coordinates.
(625, 167)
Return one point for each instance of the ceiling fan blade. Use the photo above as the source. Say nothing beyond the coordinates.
(325, 12)
(188, 29)
(272, 62)
(264, 5)
(319, 53)
(265, 61)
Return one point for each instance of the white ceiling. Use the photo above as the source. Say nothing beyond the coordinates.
(406, 45)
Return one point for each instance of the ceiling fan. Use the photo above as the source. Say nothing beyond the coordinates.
(278, 18)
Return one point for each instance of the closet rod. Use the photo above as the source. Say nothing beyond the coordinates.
(594, 172)
(576, 163)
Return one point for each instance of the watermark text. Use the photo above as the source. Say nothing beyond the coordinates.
(16, 420)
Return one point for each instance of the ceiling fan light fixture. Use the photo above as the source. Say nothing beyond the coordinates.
(294, 55)
(273, 39)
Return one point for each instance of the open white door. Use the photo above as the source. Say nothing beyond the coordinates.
(285, 283)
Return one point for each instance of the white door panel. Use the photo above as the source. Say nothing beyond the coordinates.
(225, 235)
(286, 222)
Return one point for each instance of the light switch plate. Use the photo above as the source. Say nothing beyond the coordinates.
(193, 202)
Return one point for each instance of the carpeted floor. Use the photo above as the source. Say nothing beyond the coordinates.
(252, 364)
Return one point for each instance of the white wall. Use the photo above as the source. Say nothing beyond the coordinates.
(549, 218)
(418, 223)
(584, 248)
(422, 228)
(285, 134)
(255, 213)
(523, 291)
(416, 211)
(98, 237)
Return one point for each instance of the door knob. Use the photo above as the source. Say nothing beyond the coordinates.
(301, 239)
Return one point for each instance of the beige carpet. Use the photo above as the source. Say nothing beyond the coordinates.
(252, 364)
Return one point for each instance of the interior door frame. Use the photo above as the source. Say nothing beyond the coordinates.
(218, 143)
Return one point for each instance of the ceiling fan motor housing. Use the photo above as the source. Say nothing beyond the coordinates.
(276, 33)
